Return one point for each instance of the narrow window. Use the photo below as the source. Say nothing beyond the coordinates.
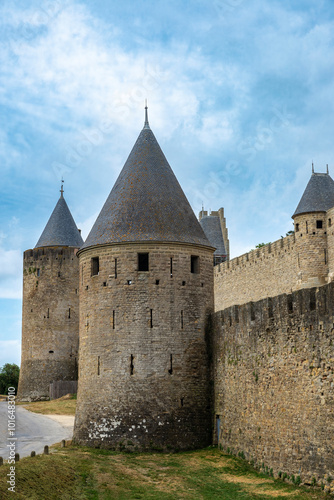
(82, 274)
(171, 267)
(329, 222)
(113, 320)
(319, 224)
(129, 282)
(183, 283)
(181, 320)
(151, 318)
(182, 401)
(252, 312)
(143, 262)
(95, 266)
(194, 264)
(270, 308)
(131, 365)
(104, 283)
(325, 256)
(48, 314)
(58, 274)
(76, 291)
(115, 268)
(170, 371)
(69, 312)
(236, 314)
(98, 365)
(38, 272)
(306, 227)
(157, 282)
(290, 304)
(297, 228)
(312, 300)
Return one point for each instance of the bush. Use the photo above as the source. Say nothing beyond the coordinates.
(9, 377)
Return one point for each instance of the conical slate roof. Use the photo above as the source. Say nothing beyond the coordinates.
(61, 230)
(147, 202)
(318, 195)
(213, 231)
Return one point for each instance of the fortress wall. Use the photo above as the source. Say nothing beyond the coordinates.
(263, 272)
(50, 320)
(274, 383)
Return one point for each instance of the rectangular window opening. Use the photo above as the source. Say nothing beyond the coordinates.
(319, 224)
(312, 300)
(48, 314)
(325, 256)
(151, 318)
(95, 266)
(290, 304)
(182, 401)
(69, 313)
(131, 364)
(170, 371)
(329, 222)
(115, 268)
(98, 365)
(181, 320)
(51, 352)
(113, 320)
(143, 262)
(252, 312)
(38, 272)
(297, 228)
(171, 267)
(58, 274)
(157, 282)
(194, 264)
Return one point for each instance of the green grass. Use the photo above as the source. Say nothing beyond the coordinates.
(55, 407)
(83, 473)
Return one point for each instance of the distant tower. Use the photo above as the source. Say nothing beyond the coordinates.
(214, 227)
(310, 221)
(50, 319)
(146, 290)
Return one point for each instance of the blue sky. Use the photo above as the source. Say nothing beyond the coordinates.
(240, 99)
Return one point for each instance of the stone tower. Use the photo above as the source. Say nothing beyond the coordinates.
(146, 291)
(310, 221)
(50, 318)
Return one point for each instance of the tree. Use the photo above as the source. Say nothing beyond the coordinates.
(260, 245)
(9, 377)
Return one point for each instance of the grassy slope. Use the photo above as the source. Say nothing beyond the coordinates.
(55, 407)
(82, 473)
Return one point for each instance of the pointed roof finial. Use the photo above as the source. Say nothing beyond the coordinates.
(62, 187)
(146, 124)
(327, 171)
(312, 167)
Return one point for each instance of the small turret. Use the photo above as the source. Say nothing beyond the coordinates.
(310, 223)
(50, 319)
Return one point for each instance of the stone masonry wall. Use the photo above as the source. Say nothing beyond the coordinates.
(266, 271)
(144, 362)
(274, 382)
(50, 320)
(301, 260)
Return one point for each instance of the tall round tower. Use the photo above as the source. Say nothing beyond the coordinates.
(146, 290)
(50, 317)
(310, 221)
